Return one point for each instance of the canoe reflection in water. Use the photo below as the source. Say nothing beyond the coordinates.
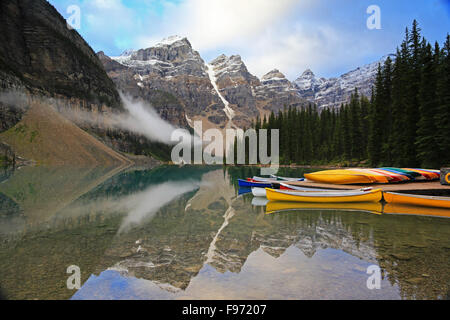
(368, 207)
(187, 233)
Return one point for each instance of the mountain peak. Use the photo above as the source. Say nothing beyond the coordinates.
(274, 74)
(335, 91)
(169, 41)
(308, 73)
(127, 53)
(220, 59)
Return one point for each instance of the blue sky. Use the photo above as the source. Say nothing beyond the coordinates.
(328, 36)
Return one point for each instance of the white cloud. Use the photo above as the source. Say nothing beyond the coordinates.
(290, 35)
(292, 48)
(216, 23)
(268, 34)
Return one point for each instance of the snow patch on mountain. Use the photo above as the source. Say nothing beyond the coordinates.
(169, 41)
(212, 76)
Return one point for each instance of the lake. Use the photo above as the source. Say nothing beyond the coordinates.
(188, 233)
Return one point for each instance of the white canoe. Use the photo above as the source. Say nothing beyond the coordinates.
(259, 179)
(259, 192)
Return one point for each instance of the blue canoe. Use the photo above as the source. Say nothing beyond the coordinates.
(248, 184)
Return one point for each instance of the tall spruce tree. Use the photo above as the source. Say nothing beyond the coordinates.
(376, 116)
(443, 115)
(427, 133)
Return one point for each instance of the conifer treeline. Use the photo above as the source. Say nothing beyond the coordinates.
(406, 122)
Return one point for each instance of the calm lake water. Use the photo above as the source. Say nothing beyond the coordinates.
(187, 233)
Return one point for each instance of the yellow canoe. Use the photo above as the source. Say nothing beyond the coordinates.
(325, 197)
(341, 177)
(281, 206)
(404, 209)
(417, 200)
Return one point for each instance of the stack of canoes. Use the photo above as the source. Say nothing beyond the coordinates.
(371, 176)
(278, 189)
(367, 195)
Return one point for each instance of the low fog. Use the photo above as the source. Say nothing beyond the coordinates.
(141, 118)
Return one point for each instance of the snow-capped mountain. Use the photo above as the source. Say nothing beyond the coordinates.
(336, 91)
(277, 92)
(222, 93)
(308, 85)
(236, 84)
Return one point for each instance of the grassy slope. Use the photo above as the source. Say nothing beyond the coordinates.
(48, 138)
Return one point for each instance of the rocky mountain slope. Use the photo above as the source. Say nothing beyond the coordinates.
(277, 92)
(39, 52)
(47, 137)
(223, 93)
(333, 92)
(41, 57)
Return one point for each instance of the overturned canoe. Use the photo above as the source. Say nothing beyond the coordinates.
(341, 177)
(325, 197)
(429, 175)
(373, 174)
(395, 177)
(417, 200)
(259, 192)
(413, 175)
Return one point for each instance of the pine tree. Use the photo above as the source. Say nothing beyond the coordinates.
(427, 138)
(443, 115)
(413, 80)
(385, 119)
(365, 125)
(355, 127)
(400, 77)
(374, 148)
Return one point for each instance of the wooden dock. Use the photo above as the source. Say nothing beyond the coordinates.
(419, 187)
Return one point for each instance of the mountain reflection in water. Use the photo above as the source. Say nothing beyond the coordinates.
(186, 233)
